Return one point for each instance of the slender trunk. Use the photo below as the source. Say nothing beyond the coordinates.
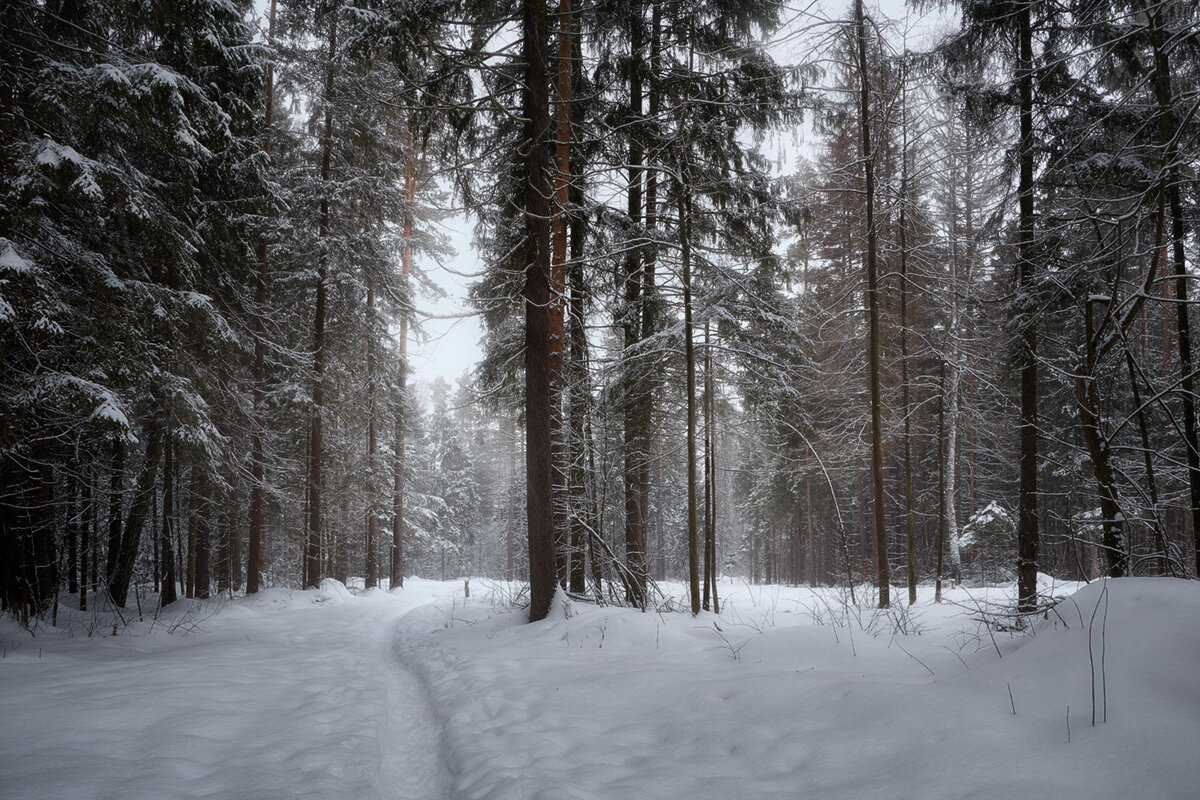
(873, 345)
(396, 561)
(690, 357)
(952, 397)
(312, 553)
(259, 421)
(707, 577)
(910, 536)
(950, 471)
(1027, 512)
(167, 592)
(659, 529)
(539, 468)
(372, 565)
(193, 513)
(710, 534)
(512, 501)
(941, 528)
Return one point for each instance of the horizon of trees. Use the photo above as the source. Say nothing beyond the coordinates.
(952, 344)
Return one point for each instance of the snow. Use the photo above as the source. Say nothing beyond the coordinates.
(110, 411)
(11, 261)
(789, 692)
(289, 694)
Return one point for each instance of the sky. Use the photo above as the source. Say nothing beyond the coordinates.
(446, 347)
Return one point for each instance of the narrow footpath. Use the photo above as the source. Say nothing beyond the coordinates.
(288, 695)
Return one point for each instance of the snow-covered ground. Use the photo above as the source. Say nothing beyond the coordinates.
(790, 692)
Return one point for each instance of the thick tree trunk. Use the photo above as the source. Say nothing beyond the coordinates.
(539, 468)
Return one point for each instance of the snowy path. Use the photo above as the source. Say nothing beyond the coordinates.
(290, 695)
(424, 695)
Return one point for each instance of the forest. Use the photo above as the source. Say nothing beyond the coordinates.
(832, 429)
(882, 313)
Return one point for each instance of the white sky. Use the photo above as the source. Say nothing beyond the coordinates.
(447, 347)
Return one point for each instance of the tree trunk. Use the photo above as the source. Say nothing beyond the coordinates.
(634, 438)
(539, 468)
(372, 565)
(193, 514)
(558, 286)
(941, 528)
(396, 561)
(512, 501)
(910, 537)
(710, 424)
(579, 399)
(167, 591)
(873, 346)
(1027, 511)
(259, 421)
(312, 553)
(690, 357)
(1087, 398)
(86, 540)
